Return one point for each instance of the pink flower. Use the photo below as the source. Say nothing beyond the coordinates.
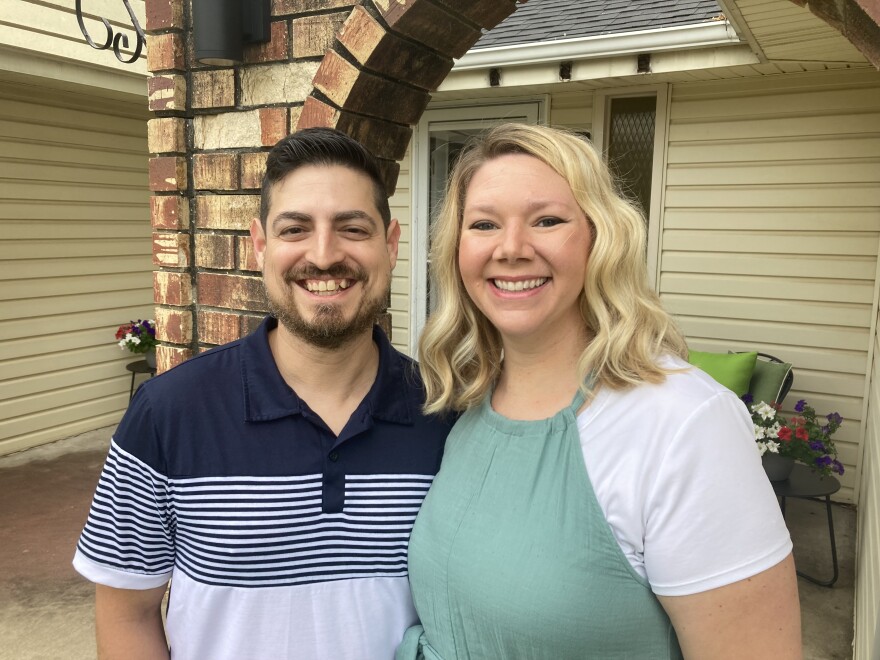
(802, 434)
(784, 433)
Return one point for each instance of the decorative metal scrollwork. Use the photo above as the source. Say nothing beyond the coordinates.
(118, 40)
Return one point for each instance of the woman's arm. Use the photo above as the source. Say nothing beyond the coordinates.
(758, 617)
(128, 624)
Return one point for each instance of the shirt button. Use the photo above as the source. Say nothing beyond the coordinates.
(334, 456)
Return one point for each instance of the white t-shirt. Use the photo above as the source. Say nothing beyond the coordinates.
(675, 469)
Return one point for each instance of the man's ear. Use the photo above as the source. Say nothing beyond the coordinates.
(392, 240)
(258, 238)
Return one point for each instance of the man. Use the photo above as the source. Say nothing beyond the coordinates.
(276, 478)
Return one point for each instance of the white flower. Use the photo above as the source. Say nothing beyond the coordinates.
(121, 344)
(773, 431)
(759, 432)
(764, 410)
(768, 445)
(133, 339)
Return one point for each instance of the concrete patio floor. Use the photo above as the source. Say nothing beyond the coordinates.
(46, 610)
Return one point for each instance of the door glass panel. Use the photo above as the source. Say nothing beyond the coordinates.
(631, 146)
(445, 147)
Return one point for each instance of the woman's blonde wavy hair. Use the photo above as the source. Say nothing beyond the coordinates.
(460, 352)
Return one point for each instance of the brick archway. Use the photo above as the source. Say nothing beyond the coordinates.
(371, 63)
(393, 49)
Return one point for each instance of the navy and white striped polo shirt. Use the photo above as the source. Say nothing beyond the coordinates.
(283, 540)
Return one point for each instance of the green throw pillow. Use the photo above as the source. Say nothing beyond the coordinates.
(767, 381)
(733, 370)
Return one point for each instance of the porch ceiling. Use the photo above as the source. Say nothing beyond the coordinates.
(781, 31)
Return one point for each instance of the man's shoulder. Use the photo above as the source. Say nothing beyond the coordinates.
(209, 371)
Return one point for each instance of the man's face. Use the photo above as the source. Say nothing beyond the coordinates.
(325, 254)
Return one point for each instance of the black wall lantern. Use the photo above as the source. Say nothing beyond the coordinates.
(221, 28)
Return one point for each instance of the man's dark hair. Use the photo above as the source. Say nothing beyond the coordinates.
(321, 146)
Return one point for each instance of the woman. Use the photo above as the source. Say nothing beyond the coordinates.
(598, 498)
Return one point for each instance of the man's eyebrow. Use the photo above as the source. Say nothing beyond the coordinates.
(294, 216)
(342, 216)
(355, 214)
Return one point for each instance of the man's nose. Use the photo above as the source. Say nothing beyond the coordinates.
(326, 249)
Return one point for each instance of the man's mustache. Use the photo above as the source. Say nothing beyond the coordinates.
(336, 272)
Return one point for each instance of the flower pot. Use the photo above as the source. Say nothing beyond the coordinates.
(150, 357)
(777, 467)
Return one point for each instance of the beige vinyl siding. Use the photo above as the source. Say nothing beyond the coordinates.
(401, 208)
(867, 605)
(771, 226)
(49, 29)
(573, 110)
(75, 260)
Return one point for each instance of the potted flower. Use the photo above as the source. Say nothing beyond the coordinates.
(805, 438)
(139, 337)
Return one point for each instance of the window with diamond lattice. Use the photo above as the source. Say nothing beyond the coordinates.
(631, 146)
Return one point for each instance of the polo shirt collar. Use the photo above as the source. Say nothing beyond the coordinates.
(267, 396)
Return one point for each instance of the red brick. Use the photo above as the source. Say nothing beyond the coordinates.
(487, 14)
(166, 93)
(245, 257)
(312, 35)
(167, 173)
(362, 92)
(249, 323)
(215, 251)
(168, 357)
(231, 292)
(171, 288)
(165, 52)
(389, 170)
(273, 125)
(171, 250)
(163, 14)
(169, 212)
(218, 327)
(174, 325)
(231, 212)
(428, 24)
(276, 50)
(213, 89)
(166, 135)
(253, 167)
(382, 51)
(383, 139)
(215, 171)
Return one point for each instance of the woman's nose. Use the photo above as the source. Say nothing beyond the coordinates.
(514, 244)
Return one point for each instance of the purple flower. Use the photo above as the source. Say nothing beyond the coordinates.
(834, 418)
(825, 430)
(837, 466)
(799, 406)
(823, 461)
(815, 445)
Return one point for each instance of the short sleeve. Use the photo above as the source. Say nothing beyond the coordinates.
(127, 541)
(711, 517)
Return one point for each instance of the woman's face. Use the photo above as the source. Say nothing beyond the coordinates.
(524, 248)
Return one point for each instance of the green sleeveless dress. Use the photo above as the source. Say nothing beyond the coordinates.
(511, 556)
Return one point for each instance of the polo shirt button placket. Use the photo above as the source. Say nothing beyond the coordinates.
(333, 456)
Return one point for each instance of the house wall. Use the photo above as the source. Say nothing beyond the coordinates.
(867, 605)
(770, 230)
(74, 259)
(42, 39)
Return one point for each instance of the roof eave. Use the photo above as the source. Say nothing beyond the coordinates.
(700, 35)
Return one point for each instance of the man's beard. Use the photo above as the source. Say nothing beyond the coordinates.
(329, 328)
